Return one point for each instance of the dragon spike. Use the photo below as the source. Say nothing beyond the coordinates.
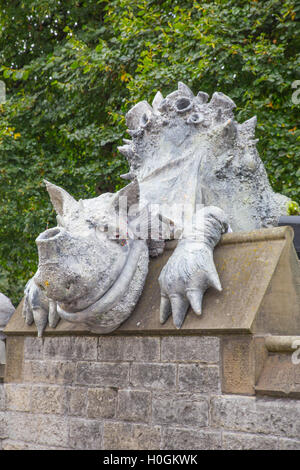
(136, 133)
(229, 129)
(128, 176)
(158, 98)
(218, 99)
(226, 130)
(202, 97)
(135, 114)
(127, 141)
(185, 90)
(249, 126)
(127, 151)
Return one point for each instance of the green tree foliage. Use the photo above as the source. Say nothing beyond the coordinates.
(73, 68)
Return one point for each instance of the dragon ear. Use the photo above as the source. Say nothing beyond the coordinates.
(62, 201)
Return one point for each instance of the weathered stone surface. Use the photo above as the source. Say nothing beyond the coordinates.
(134, 405)
(2, 372)
(3, 425)
(198, 378)
(240, 441)
(190, 439)
(47, 399)
(14, 359)
(182, 409)
(38, 429)
(128, 348)
(238, 365)
(156, 376)
(280, 377)
(76, 401)
(13, 445)
(85, 434)
(190, 348)
(54, 372)
(71, 348)
(18, 397)
(277, 417)
(17, 445)
(123, 436)
(33, 348)
(102, 402)
(288, 444)
(103, 374)
(2, 397)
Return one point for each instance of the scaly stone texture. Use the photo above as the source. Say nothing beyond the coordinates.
(135, 392)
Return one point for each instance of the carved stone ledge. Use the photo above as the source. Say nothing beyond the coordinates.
(281, 372)
(260, 275)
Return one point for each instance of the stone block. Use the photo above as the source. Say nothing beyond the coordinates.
(280, 377)
(71, 348)
(128, 348)
(198, 378)
(238, 365)
(240, 441)
(76, 401)
(124, 436)
(2, 397)
(190, 439)
(33, 347)
(38, 429)
(3, 425)
(180, 409)
(276, 417)
(85, 434)
(134, 405)
(156, 376)
(103, 374)
(288, 444)
(47, 399)
(51, 431)
(190, 348)
(55, 372)
(17, 397)
(14, 359)
(102, 402)
(13, 445)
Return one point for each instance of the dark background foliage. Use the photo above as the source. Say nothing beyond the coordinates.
(73, 68)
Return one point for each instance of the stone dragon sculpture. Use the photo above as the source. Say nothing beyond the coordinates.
(187, 156)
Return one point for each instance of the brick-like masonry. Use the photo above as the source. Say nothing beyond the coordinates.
(112, 392)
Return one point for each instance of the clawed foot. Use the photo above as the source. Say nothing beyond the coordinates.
(38, 309)
(190, 271)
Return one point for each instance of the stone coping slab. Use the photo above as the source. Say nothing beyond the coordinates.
(260, 275)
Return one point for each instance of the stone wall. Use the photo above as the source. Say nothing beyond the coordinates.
(134, 392)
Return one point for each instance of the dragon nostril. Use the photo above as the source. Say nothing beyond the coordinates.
(183, 104)
(49, 234)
